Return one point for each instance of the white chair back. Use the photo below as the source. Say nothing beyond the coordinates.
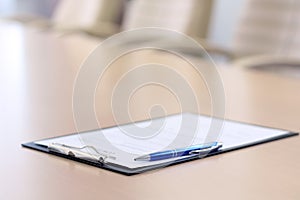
(187, 16)
(87, 15)
(268, 27)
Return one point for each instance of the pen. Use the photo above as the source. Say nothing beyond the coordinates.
(195, 149)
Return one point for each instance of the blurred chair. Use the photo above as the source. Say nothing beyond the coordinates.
(280, 64)
(97, 17)
(187, 16)
(268, 27)
(267, 34)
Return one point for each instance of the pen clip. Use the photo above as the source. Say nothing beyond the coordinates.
(206, 151)
(78, 152)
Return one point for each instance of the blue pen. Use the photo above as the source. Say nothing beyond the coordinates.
(195, 149)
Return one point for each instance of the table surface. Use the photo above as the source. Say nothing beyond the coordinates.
(37, 72)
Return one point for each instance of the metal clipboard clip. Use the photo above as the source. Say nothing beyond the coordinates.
(79, 152)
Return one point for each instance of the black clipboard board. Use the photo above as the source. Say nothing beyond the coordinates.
(132, 171)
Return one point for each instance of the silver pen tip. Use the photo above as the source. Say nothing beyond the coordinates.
(143, 158)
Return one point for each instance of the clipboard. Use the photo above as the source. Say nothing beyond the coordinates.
(137, 170)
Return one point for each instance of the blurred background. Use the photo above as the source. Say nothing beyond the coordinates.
(222, 15)
(257, 34)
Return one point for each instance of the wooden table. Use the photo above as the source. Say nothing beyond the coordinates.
(37, 72)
